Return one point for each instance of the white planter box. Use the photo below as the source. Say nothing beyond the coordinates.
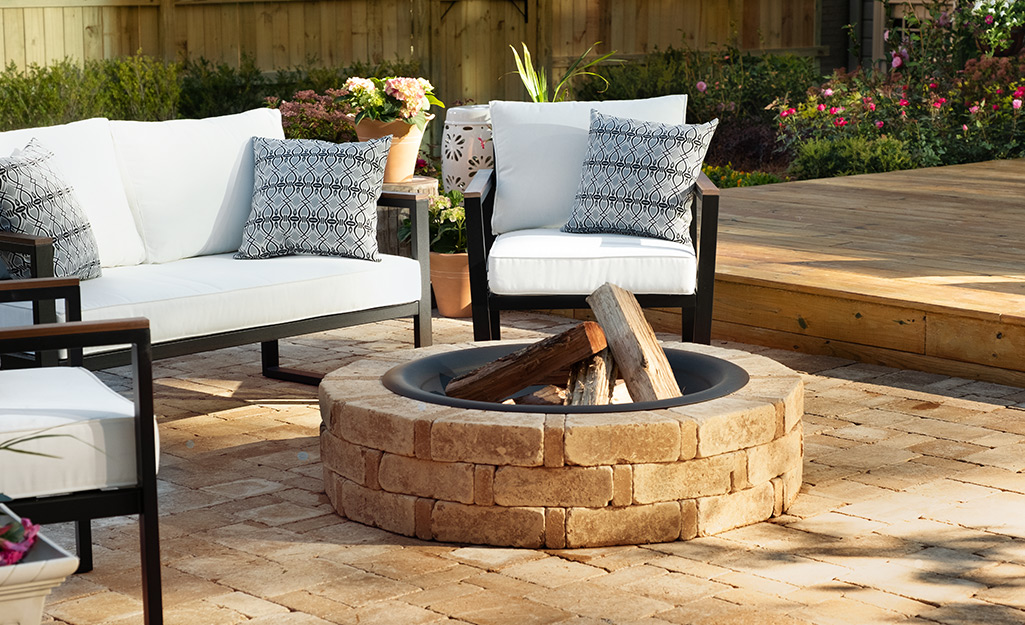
(25, 585)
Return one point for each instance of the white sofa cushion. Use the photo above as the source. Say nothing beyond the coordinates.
(546, 261)
(84, 152)
(211, 294)
(99, 449)
(539, 149)
(190, 181)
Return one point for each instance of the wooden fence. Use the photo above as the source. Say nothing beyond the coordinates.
(463, 45)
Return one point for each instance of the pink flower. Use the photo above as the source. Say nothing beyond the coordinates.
(933, 85)
(964, 127)
(879, 124)
(827, 92)
(1019, 92)
(701, 86)
(821, 107)
(839, 122)
(999, 91)
(896, 62)
(973, 109)
(989, 20)
(833, 110)
(903, 102)
(939, 103)
(1016, 103)
(871, 106)
(996, 107)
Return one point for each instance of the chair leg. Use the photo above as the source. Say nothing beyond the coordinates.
(688, 324)
(149, 547)
(496, 325)
(482, 320)
(84, 545)
(422, 333)
(271, 365)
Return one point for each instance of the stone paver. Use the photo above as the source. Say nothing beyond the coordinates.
(912, 511)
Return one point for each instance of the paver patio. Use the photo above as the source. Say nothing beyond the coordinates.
(913, 511)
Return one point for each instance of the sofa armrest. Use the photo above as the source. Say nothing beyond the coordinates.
(39, 250)
(479, 200)
(705, 234)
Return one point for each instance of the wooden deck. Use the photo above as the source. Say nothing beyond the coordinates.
(922, 269)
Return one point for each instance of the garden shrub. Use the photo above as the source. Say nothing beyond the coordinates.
(309, 115)
(208, 90)
(726, 177)
(850, 155)
(138, 88)
(736, 87)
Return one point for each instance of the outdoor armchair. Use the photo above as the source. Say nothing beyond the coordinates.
(519, 257)
(100, 447)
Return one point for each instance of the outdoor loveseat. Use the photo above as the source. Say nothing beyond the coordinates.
(167, 203)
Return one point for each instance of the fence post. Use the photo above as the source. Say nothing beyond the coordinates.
(167, 29)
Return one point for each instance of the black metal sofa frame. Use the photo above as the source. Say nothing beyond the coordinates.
(487, 306)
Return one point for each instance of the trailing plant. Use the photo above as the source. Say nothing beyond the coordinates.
(536, 82)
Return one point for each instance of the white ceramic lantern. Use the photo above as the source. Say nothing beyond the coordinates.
(466, 144)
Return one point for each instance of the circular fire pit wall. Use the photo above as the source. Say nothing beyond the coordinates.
(554, 477)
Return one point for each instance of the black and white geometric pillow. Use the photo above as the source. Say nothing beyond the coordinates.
(315, 197)
(638, 178)
(36, 199)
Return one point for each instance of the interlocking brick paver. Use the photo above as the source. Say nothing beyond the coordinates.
(912, 511)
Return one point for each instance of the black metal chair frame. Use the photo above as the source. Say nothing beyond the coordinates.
(696, 309)
(82, 507)
(40, 251)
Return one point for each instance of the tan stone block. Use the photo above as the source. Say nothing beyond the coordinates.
(730, 423)
(422, 518)
(555, 430)
(452, 481)
(725, 512)
(484, 485)
(777, 496)
(786, 393)
(765, 462)
(489, 525)
(422, 438)
(553, 486)
(555, 528)
(486, 437)
(792, 481)
(597, 527)
(333, 489)
(371, 467)
(617, 438)
(688, 438)
(342, 457)
(622, 485)
(388, 511)
(671, 481)
(688, 519)
(739, 479)
(378, 422)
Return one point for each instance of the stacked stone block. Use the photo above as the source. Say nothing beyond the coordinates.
(561, 481)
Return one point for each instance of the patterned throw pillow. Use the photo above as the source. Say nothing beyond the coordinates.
(315, 197)
(638, 178)
(36, 199)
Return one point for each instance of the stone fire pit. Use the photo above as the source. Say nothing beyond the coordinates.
(553, 480)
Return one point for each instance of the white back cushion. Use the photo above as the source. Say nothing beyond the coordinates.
(539, 150)
(190, 181)
(84, 153)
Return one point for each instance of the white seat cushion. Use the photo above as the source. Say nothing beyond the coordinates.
(190, 181)
(99, 449)
(549, 262)
(539, 150)
(83, 152)
(210, 294)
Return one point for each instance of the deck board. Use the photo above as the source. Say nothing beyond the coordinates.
(921, 268)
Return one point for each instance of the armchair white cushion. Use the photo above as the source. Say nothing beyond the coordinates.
(545, 261)
(539, 150)
(93, 427)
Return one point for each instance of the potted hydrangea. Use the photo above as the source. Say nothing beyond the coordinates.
(396, 106)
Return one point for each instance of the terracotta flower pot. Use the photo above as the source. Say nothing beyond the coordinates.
(405, 145)
(450, 277)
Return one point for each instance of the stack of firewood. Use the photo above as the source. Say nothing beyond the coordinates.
(584, 365)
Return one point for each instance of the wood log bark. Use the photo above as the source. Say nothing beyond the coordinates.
(591, 380)
(639, 356)
(498, 379)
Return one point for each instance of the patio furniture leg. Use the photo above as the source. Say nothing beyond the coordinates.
(272, 368)
(84, 545)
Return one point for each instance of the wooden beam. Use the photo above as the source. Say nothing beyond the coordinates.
(641, 360)
(501, 378)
